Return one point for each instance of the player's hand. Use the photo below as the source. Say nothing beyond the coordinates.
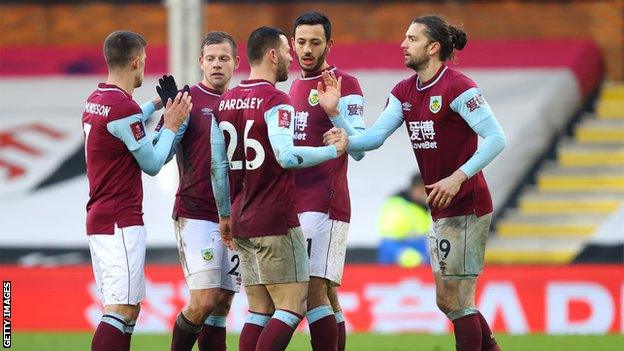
(177, 110)
(226, 232)
(329, 93)
(331, 136)
(443, 191)
(341, 142)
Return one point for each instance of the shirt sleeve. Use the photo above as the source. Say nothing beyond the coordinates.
(390, 119)
(219, 170)
(280, 131)
(176, 141)
(473, 108)
(147, 109)
(350, 119)
(131, 131)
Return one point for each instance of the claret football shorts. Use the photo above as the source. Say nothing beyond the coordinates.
(206, 262)
(326, 243)
(457, 245)
(118, 261)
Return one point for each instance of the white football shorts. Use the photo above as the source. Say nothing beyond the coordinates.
(206, 262)
(118, 261)
(326, 241)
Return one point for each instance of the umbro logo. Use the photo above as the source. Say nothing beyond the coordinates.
(406, 106)
(207, 111)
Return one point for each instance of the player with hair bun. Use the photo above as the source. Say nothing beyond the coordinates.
(445, 112)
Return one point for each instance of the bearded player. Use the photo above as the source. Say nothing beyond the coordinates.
(322, 194)
(445, 113)
(257, 124)
(117, 149)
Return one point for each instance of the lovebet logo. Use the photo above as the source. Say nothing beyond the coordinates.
(6, 314)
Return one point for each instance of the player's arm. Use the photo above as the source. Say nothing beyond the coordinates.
(473, 108)
(219, 170)
(148, 108)
(131, 131)
(220, 184)
(372, 138)
(178, 137)
(281, 133)
(350, 119)
(479, 116)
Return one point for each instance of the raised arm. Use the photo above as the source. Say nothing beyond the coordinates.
(281, 129)
(131, 131)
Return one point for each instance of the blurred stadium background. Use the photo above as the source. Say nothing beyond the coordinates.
(553, 72)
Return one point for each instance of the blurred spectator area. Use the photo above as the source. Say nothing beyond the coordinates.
(81, 23)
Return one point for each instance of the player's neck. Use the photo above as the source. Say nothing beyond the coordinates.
(124, 81)
(428, 72)
(210, 86)
(260, 72)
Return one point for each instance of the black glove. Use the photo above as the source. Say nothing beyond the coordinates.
(167, 89)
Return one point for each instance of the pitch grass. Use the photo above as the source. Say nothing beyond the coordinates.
(356, 342)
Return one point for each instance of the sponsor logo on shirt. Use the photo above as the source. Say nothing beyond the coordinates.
(138, 131)
(406, 106)
(207, 254)
(283, 118)
(475, 102)
(355, 109)
(435, 103)
(313, 98)
(422, 134)
(301, 123)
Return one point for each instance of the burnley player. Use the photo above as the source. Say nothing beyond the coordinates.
(117, 148)
(210, 268)
(445, 113)
(256, 121)
(322, 193)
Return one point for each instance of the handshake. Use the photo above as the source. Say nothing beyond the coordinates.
(338, 138)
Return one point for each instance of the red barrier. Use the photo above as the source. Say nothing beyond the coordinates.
(581, 56)
(515, 299)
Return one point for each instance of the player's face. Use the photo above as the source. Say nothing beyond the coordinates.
(417, 48)
(218, 64)
(310, 46)
(139, 68)
(283, 60)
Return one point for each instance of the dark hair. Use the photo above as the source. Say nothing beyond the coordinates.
(312, 18)
(121, 46)
(261, 40)
(450, 37)
(218, 37)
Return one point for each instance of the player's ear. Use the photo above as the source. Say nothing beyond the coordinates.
(135, 62)
(272, 55)
(434, 48)
(292, 42)
(330, 43)
(236, 62)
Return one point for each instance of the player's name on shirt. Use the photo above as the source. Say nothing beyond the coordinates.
(97, 109)
(240, 104)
